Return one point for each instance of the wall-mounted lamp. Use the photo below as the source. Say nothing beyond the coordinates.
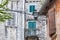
(35, 14)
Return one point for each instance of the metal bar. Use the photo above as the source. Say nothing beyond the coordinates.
(18, 11)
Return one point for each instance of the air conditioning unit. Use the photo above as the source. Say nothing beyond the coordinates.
(14, 0)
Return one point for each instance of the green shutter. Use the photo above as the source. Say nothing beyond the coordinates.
(31, 25)
(32, 8)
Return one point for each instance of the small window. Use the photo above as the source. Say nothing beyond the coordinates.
(32, 24)
(31, 8)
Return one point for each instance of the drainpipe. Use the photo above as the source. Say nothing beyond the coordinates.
(23, 20)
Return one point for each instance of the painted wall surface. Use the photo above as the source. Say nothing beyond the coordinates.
(2, 31)
(18, 21)
(50, 23)
(57, 16)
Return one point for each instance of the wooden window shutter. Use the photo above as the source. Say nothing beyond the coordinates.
(51, 17)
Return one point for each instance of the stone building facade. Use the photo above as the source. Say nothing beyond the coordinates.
(13, 29)
(40, 22)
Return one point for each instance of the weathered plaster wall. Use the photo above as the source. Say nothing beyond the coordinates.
(50, 23)
(57, 15)
(48, 37)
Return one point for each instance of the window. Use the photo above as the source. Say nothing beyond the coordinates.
(32, 28)
(31, 8)
(32, 24)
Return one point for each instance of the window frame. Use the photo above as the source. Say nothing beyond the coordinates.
(31, 8)
(30, 31)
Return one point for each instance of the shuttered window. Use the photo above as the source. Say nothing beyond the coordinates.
(31, 25)
(31, 8)
(32, 28)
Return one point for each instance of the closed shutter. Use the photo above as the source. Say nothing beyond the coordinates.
(51, 17)
(31, 8)
(32, 27)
